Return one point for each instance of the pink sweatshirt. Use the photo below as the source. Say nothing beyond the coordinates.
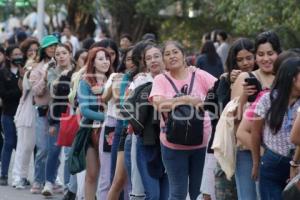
(39, 85)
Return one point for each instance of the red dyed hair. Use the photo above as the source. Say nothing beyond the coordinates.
(90, 69)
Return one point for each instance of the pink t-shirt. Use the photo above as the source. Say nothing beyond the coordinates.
(249, 113)
(162, 87)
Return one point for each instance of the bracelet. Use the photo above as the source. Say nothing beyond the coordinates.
(294, 163)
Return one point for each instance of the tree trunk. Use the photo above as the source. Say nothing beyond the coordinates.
(81, 21)
(125, 19)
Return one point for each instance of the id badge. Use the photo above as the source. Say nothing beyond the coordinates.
(96, 124)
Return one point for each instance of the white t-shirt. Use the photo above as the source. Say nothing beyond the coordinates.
(112, 110)
(140, 80)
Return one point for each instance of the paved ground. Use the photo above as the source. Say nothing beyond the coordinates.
(10, 193)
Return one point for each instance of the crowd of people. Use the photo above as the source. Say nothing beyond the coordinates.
(163, 125)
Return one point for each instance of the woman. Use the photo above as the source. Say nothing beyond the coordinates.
(119, 175)
(275, 114)
(89, 91)
(2, 64)
(25, 125)
(111, 96)
(184, 164)
(267, 48)
(41, 96)
(147, 145)
(209, 60)
(240, 59)
(80, 59)
(57, 77)
(10, 93)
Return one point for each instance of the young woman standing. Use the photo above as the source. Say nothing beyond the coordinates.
(274, 117)
(89, 91)
(10, 93)
(267, 48)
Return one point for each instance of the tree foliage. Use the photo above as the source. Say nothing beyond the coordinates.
(187, 24)
(249, 17)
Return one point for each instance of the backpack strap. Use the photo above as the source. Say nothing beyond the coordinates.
(192, 83)
(172, 83)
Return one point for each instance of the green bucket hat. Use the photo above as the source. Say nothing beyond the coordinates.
(48, 41)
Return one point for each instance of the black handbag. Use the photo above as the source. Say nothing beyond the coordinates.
(76, 160)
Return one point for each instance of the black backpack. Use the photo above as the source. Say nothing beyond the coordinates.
(184, 124)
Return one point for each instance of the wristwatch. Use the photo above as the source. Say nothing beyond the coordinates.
(294, 163)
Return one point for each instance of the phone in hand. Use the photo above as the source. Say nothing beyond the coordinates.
(253, 81)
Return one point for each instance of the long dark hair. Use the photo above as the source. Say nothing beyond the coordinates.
(281, 91)
(122, 66)
(137, 57)
(2, 50)
(236, 47)
(210, 51)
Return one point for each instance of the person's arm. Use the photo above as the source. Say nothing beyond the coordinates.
(295, 133)
(295, 163)
(108, 92)
(240, 89)
(38, 82)
(256, 133)
(163, 104)
(84, 95)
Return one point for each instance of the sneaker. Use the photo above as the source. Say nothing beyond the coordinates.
(3, 181)
(36, 188)
(48, 189)
(58, 189)
(22, 184)
(15, 182)
(69, 196)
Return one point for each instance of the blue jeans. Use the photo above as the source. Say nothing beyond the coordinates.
(184, 169)
(274, 172)
(10, 142)
(66, 168)
(70, 181)
(115, 147)
(127, 155)
(53, 161)
(155, 188)
(47, 155)
(244, 182)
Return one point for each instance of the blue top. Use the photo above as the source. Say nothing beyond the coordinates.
(88, 102)
(124, 84)
(215, 69)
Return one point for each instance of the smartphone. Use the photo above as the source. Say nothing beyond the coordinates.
(253, 81)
